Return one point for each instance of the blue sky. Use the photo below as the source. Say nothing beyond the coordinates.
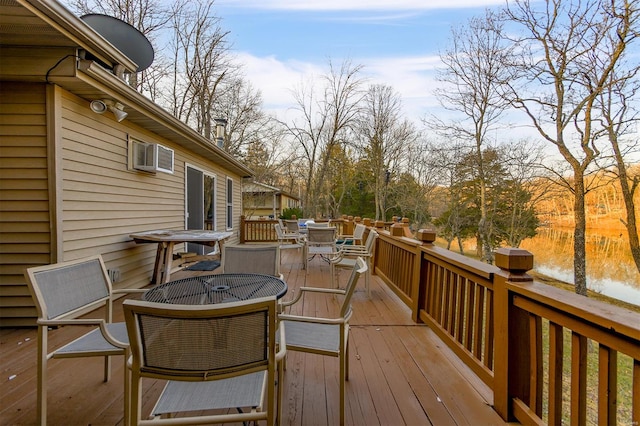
(283, 42)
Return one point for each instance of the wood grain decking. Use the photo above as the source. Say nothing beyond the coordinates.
(400, 372)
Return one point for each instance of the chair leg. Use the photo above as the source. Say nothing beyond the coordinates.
(127, 391)
(367, 277)
(42, 375)
(343, 378)
(107, 368)
(333, 271)
(135, 406)
(279, 395)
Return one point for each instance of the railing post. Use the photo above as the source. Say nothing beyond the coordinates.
(396, 229)
(512, 344)
(243, 231)
(418, 294)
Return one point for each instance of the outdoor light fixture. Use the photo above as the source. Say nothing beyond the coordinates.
(100, 106)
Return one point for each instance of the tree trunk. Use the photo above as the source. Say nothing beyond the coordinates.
(579, 240)
(630, 223)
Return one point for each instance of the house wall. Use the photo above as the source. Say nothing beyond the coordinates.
(25, 237)
(96, 201)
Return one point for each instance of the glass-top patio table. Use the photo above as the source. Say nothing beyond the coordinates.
(218, 288)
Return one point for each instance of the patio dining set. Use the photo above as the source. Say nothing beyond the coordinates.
(219, 341)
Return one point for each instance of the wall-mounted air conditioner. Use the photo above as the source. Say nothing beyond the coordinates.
(152, 157)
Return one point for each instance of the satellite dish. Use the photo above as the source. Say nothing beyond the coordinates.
(124, 37)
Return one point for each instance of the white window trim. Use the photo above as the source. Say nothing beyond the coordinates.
(229, 204)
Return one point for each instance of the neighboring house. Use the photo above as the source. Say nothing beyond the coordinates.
(264, 201)
(69, 186)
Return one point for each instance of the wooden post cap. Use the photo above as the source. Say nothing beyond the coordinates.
(514, 259)
(379, 224)
(397, 230)
(427, 235)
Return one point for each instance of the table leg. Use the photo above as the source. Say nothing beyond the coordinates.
(168, 261)
(155, 278)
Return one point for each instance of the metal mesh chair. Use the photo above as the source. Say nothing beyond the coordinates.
(251, 259)
(356, 238)
(325, 336)
(346, 257)
(215, 358)
(64, 291)
(287, 241)
(292, 225)
(321, 242)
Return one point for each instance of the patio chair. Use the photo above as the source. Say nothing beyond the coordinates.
(287, 241)
(325, 336)
(356, 238)
(62, 292)
(251, 259)
(320, 242)
(347, 256)
(292, 225)
(214, 357)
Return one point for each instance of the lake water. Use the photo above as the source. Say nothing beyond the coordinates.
(610, 268)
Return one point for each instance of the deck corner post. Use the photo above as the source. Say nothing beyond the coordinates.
(243, 224)
(511, 330)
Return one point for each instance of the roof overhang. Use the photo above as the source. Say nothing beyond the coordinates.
(46, 24)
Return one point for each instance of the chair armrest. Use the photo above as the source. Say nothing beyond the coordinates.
(311, 290)
(102, 324)
(354, 251)
(317, 320)
(129, 290)
(282, 350)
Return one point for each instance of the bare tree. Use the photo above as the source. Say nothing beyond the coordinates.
(619, 119)
(382, 136)
(202, 64)
(569, 51)
(327, 116)
(241, 105)
(472, 75)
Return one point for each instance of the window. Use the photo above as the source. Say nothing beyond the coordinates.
(229, 204)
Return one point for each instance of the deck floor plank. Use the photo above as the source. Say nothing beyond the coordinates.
(397, 370)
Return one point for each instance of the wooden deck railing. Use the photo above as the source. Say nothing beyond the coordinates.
(529, 342)
(262, 230)
(511, 331)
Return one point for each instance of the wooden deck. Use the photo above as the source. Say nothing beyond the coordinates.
(400, 372)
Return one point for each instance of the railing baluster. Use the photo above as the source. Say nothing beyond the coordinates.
(556, 356)
(578, 379)
(537, 373)
(607, 385)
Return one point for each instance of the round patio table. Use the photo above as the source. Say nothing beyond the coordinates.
(218, 288)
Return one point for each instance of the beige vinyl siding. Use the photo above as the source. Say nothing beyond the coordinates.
(104, 202)
(24, 196)
(66, 174)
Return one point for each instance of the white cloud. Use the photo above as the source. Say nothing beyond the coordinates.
(411, 77)
(359, 4)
